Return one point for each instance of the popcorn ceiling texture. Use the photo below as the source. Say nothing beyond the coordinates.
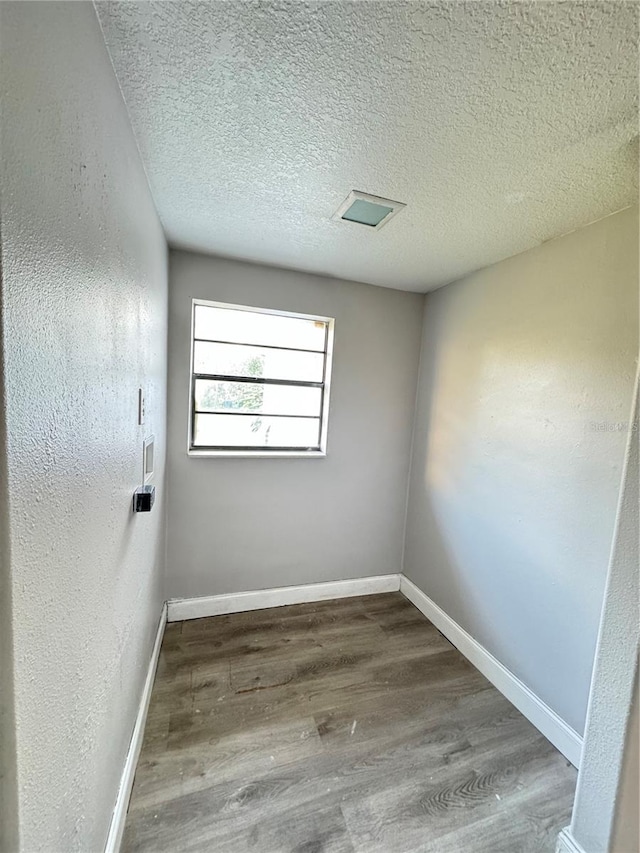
(501, 125)
(84, 315)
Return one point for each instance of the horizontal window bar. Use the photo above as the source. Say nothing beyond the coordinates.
(229, 412)
(258, 346)
(257, 380)
(255, 362)
(217, 429)
(253, 448)
(220, 323)
(212, 395)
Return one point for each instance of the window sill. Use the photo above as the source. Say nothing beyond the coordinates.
(260, 454)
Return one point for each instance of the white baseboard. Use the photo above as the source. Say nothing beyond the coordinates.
(238, 602)
(116, 828)
(567, 844)
(561, 735)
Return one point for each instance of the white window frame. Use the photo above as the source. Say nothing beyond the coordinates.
(261, 452)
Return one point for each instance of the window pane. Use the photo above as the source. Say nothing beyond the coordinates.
(247, 431)
(213, 396)
(250, 327)
(233, 360)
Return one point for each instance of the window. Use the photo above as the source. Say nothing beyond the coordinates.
(259, 381)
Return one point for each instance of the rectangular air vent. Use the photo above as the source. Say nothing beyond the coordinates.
(372, 211)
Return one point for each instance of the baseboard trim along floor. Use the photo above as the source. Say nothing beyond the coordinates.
(239, 602)
(561, 735)
(116, 827)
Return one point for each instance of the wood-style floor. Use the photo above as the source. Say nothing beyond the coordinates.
(348, 726)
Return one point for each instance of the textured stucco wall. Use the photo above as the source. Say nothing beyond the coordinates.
(527, 372)
(605, 815)
(626, 822)
(238, 524)
(84, 287)
(8, 766)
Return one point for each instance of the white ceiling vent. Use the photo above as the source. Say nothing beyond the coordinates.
(369, 210)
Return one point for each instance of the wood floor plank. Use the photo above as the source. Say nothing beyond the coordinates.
(337, 727)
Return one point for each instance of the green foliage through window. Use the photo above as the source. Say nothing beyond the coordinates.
(238, 396)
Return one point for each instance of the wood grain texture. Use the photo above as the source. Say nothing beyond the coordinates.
(349, 725)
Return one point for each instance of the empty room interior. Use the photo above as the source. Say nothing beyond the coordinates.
(319, 428)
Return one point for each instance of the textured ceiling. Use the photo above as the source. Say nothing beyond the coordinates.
(500, 125)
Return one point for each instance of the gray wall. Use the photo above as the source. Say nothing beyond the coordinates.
(238, 524)
(605, 815)
(84, 287)
(526, 374)
(8, 757)
(626, 826)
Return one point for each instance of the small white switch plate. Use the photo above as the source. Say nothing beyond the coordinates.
(148, 447)
(140, 407)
